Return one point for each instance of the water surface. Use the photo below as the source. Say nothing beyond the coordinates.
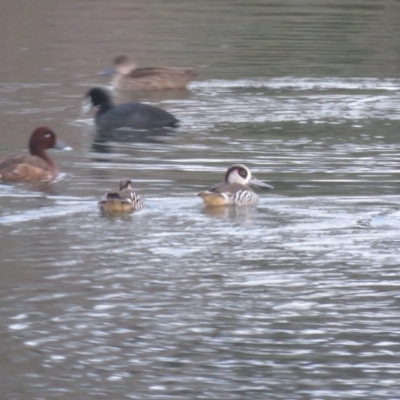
(298, 299)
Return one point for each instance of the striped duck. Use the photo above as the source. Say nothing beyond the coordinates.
(124, 200)
(234, 190)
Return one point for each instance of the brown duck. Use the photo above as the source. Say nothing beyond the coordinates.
(36, 166)
(128, 77)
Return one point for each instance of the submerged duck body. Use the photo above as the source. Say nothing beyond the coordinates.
(128, 77)
(36, 166)
(125, 200)
(234, 190)
(127, 115)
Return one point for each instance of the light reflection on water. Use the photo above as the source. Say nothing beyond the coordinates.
(297, 299)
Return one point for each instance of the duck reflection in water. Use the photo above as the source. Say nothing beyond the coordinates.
(104, 138)
(239, 214)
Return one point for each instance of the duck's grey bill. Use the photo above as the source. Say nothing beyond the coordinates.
(110, 71)
(260, 184)
(86, 105)
(62, 146)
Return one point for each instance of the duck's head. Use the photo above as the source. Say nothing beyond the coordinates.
(125, 184)
(122, 65)
(43, 138)
(239, 173)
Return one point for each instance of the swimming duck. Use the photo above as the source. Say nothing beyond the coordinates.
(234, 190)
(36, 166)
(128, 77)
(122, 201)
(127, 115)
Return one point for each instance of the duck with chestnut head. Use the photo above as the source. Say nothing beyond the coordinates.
(37, 165)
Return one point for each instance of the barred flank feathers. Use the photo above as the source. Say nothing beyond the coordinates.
(246, 198)
(137, 202)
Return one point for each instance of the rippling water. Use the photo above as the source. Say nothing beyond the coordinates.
(298, 299)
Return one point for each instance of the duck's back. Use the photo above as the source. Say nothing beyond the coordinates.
(226, 193)
(20, 167)
(125, 200)
(230, 188)
(135, 115)
(154, 78)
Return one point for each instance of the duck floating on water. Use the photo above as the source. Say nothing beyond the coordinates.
(128, 77)
(36, 166)
(126, 115)
(234, 190)
(125, 200)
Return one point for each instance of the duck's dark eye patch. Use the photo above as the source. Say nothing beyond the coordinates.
(242, 172)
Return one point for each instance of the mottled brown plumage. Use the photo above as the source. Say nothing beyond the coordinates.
(129, 77)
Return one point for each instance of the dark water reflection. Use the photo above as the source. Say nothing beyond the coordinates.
(298, 299)
(103, 139)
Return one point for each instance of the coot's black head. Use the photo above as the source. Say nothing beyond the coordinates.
(98, 97)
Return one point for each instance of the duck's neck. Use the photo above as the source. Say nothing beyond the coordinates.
(39, 152)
